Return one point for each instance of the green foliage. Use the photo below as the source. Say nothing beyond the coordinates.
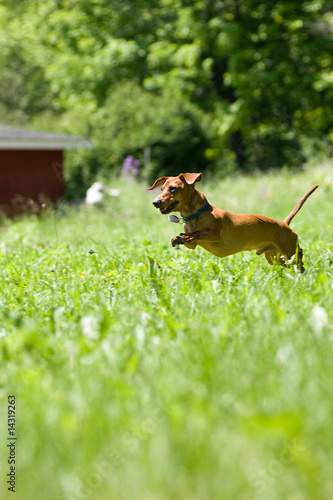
(167, 366)
(165, 132)
(246, 84)
(24, 90)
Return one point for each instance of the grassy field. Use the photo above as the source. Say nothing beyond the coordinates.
(144, 372)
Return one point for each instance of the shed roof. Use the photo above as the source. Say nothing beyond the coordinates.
(18, 138)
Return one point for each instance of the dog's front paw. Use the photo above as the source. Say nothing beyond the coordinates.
(178, 240)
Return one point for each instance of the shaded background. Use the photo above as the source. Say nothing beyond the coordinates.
(221, 86)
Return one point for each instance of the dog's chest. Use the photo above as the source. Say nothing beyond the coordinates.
(191, 226)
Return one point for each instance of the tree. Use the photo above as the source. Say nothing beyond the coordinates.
(251, 81)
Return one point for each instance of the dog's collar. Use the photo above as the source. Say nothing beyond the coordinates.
(176, 220)
(194, 216)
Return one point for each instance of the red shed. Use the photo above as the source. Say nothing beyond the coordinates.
(31, 165)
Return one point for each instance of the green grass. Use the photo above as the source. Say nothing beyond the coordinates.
(148, 373)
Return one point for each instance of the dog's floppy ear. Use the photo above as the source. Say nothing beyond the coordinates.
(190, 178)
(158, 182)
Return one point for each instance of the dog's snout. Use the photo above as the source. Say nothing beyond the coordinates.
(157, 202)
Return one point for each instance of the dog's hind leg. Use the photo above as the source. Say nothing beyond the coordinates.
(299, 259)
(289, 248)
(274, 257)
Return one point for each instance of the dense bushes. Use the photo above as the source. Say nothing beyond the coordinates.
(180, 85)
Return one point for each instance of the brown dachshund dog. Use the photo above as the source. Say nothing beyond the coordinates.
(223, 233)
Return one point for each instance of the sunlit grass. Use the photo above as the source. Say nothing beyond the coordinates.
(146, 372)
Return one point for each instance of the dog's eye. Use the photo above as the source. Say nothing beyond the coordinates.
(172, 189)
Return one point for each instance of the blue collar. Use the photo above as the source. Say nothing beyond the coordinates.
(194, 216)
(177, 220)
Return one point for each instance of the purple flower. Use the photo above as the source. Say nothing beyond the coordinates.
(130, 167)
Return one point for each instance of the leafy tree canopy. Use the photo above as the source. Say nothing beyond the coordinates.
(206, 82)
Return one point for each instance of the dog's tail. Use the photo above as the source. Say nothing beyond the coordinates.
(299, 205)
